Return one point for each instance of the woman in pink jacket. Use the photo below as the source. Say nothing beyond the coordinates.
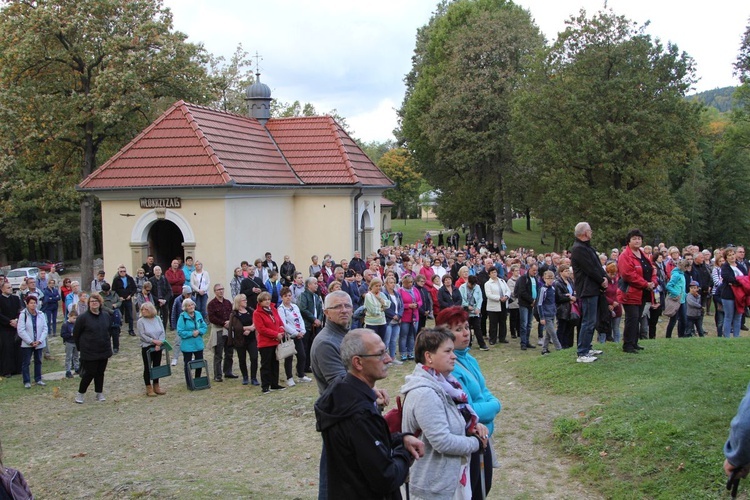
(409, 321)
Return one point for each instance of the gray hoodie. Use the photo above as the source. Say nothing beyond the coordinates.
(428, 408)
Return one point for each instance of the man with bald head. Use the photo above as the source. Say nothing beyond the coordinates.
(590, 283)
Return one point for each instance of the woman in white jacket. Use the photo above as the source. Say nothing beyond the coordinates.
(32, 329)
(199, 282)
(497, 293)
(436, 408)
(294, 327)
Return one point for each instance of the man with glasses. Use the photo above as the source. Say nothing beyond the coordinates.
(124, 286)
(325, 359)
(367, 459)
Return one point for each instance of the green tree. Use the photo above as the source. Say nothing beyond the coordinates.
(604, 131)
(79, 78)
(281, 109)
(231, 79)
(399, 166)
(455, 117)
(376, 149)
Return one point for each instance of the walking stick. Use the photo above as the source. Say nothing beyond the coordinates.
(733, 482)
(481, 473)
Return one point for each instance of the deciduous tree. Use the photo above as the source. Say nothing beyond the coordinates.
(399, 166)
(603, 128)
(79, 78)
(455, 117)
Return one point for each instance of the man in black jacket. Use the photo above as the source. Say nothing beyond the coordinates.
(367, 461)
(251, 287)
(590, 281)
(527, 291)
(124, 285)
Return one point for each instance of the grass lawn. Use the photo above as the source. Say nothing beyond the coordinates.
(414, 229)
(663, 418)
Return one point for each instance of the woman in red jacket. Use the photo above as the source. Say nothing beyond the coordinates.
(270, 331)
(638, 280)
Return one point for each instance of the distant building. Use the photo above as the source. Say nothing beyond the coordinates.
(225, 188)
(427, 203)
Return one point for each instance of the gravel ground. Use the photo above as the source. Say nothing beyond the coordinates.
(231, 441)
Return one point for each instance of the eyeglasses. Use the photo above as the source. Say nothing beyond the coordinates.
(338, 307)
(380, 355)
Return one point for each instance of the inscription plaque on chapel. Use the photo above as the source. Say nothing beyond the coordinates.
(161, 203)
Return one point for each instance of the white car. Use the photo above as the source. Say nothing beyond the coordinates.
(16, 276)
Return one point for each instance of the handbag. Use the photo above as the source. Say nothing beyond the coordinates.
(671, 306)
(285, 348)
(575, 311)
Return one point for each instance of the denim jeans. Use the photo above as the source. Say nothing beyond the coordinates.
(51, 321)
(732, 319)
(719, 316)
(200, 304)
(680, 318)
(27, 353)
(71, 357)
(392, 334)
(589, 309)
(406, 339)
(525, 319)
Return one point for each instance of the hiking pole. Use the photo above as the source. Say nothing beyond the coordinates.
(733, 483)
(481, 472)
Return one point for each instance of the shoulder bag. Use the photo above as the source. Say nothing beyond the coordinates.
(671, 305)
(285, 348)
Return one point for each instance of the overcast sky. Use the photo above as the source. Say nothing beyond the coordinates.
(352, 55)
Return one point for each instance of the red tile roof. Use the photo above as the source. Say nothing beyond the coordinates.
(197, 146)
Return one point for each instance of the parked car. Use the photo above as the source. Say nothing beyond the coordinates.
(16, 276)
(47, 265)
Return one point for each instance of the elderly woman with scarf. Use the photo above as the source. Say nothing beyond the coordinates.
(436, 406)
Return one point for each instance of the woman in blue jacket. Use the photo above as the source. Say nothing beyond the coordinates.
(484, 403)
(676, 288)
(191, 327)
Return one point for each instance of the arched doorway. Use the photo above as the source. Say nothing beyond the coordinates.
(165, 242)
(365, 233)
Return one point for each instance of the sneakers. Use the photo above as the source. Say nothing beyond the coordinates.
(403, 358)
(79, 398)
(290, 382)
(254, 382)
(586, 359)
(266, 391)
(305, 379)
(411, 357)
(484, 348)
(545, 352)
(41, 382)
(245, 381)
(27, 385)
(595, 352)
(100, 397)
(541, 342)
(174, 361)
(68, 374)
(523, 347)
(397, 362)
(278, 387)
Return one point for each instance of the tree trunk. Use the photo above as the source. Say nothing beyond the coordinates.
(528, 218)
(87, 209)
(507, 214)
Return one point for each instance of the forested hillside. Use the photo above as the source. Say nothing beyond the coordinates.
(720, 99)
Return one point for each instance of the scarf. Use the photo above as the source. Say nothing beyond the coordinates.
(453, 389)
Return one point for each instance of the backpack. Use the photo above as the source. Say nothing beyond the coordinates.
(14, 485)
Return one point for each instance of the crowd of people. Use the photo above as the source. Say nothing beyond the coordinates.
(350, 319)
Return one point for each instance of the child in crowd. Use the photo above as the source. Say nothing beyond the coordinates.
(547, 309)
(694, 310)
(71, 352)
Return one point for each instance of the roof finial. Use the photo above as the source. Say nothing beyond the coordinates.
(258, 59)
